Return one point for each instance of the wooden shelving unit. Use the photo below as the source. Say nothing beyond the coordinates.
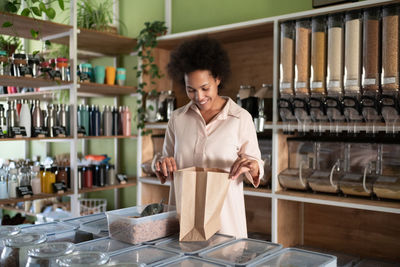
(105, 90)
(39, 196)
(49, 139)
(30, 82)
(107, 137)
(129, 183)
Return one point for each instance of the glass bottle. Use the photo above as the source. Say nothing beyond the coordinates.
(12, 183)
(107, 121)
(49, 179)
(35, 180)
(3, 183)
(62, 175)
(3, 120)
(110, 174)
(286, 66)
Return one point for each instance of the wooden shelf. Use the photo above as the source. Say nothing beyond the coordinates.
(29, 82)
(257, 192)
(47, 95)
(107, 137)
(131, 182)
(225, 34)
(55, 139)
(22, 26)
(95, 89)
(39, 196)
(346, 202)
(339, 127)
(106, 43)
(18, 210)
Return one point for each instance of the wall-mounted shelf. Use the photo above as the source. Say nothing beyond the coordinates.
(47, 139)
(339, 127)
(96, 89)
(38, 196)
(30, 82)
(107, 137)
(41, 95)
(129, 183)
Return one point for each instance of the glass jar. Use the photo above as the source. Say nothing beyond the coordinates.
(371, 51)
(45, 255)
(390, 48)
(152, 102)
(15, 253)
(48, 179)
(318, 55)
(335, 55)
(302, 57)
(83, 259)
(286, 66)
(12, 183)
(352, 65)
(7, 232)
(62, 175)
(167, 104)
(4, 69)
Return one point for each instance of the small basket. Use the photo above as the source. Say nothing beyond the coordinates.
(89, 206)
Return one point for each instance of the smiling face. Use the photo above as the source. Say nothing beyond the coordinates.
(202, 89)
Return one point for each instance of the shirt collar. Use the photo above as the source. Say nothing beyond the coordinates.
(230, 109)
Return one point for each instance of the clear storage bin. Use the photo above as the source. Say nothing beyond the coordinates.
(335, 55)
(45, 255)
(240, 252)
(54, 231)
(98, 227)
(375, 263)
(287, 59)
(7, 232)
(191, 261)
(302, 57)
(353, 184)
(146, 255)
(193, 248)
(15, 253)
(126, 225)
(297, 257)
(343, 260)
(318, 56)
(83, 219)
(105, 244)
(83, 259)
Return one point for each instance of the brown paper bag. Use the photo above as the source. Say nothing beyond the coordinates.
(200, 194)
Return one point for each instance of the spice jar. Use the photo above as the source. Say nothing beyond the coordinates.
(287, 58)
(83, 258)
(16, 249)
(4, 63)
(45, 70)
(7, 232)
(318, 56)
(62, 175)
(47, 254)
(34, 66)
(335, 55)
(88, 176)
(352, 65)
(390, 48)
(302, 57)
(19, 65)
(62, 66)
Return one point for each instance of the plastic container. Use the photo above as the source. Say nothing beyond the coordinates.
(46, 254)
(302, 57)
(241, 252)
(105, 244)
(83, 259)
(98, 227)
(371, 51)
(84, 219)
(146, 255)
(318, 56)
(352, 184)
(193, 248)
(353, 52)
(335, 54)
(55, 231)
(297, 257)
(126, 226)
(7, 232)
(15, 253)
(374, 263)
(390, 48)
(192, 261)
(343, 260)
(287, 58)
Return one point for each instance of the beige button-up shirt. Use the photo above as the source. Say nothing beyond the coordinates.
(193, 143)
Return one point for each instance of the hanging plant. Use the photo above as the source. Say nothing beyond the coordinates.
(146, 42)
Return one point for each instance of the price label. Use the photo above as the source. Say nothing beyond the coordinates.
(18, 131)
(59, 131)
(39, 132)
(24, 191)
(369, 81)
(59, 187)
(351, 82)
(333, 84)
(122, 178)
(286, 85)
(316, 84)
(389, 80)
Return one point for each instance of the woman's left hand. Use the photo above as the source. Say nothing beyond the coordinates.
(242, 165)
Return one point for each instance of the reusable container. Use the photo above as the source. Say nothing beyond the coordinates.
(121, 76)
(297, 257)
(126, 224)
(318, 56)
(6, 232)
(83, 259)
(302, 57)
(99, 74)
(193, 248)
(241, 252)
(83, 219)
(55, 231)
(335, 55)
(144, 255)
(45, 255)
(191, 261)
(286, 66)
(97, 227)
(105, 244)
(110, 75)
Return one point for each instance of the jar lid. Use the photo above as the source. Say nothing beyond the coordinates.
(19, 56)
(7, 231)
(3, 53)
(45, 64)
(86, 65)
(26, 239)
(84, 258)
(51, 250)
(62, 59)
(121, 69)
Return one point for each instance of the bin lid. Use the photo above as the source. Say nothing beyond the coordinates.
(23, 240)
(143, 255)
(51, 250)
(6, 231)
(297, 257)
(190, 248)
(241, 252)
(88, 218)
(84, 259)
(105, 244)
(51, 228)
(191, 261)
(96, 226)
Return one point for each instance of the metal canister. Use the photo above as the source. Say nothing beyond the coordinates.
(4, 63)
(110, 179)
(80, 177)
(102, 175)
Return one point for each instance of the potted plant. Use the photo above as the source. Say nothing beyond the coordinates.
(146, 42)
(9, 44)
(96, 15)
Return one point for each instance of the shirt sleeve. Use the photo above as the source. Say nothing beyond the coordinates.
(249, 145)
(169, 140)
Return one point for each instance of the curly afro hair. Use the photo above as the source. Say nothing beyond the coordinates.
(202, 53)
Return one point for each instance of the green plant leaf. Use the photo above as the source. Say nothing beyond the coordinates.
(61, 4)
(35, 1)
(42, 7)
(34, 53)
(36, 11)
(7, 24)
(47, 42)
(34, 34)
(51, 13)
(11, 7)
(25, 12)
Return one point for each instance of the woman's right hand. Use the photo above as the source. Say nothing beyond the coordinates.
(164, 168)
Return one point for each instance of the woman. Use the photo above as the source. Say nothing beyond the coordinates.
(211, 131)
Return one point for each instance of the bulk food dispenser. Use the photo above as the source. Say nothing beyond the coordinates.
(329, 158)
(302, 73)
(390, 65)
(318, 70)
(286, 71)
(334, 84)
(300, 165)
(352, 67)
(361, 169)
